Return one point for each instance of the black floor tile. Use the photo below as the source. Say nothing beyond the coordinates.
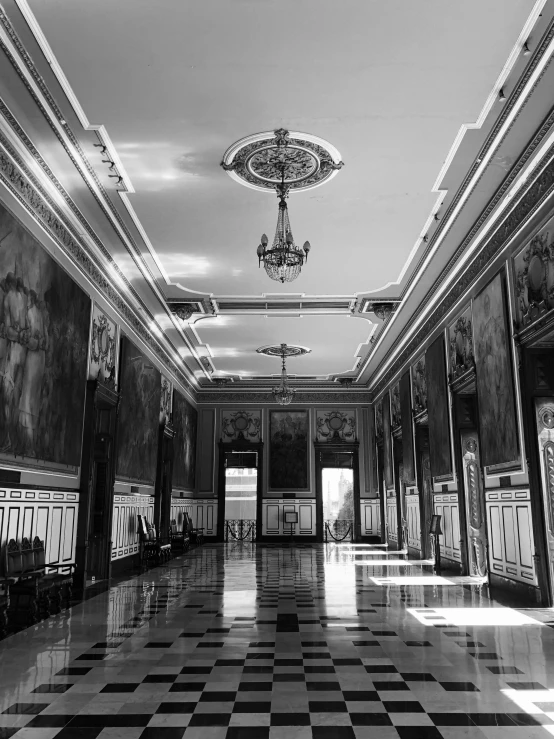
(218, 696)
(74, 671)
(418, 677)
(170, 678)
(256, 686)
(418, 732)
(163, 732)
(327, 707)
(210, 719)
(174, 707)
(360, 695)
(122, 720)
(48, 721)
(403, 707)
(79, 732)
(247, 732)
(120, 688)
(290, 719)
(491, 719)
(461, 687)
(451, 719)
(390, 685)
(370, 719)
(53, 688)
(526, 686)
(252, 707)
(333, 732)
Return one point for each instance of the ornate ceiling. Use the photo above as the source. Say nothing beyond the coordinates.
(389, 85)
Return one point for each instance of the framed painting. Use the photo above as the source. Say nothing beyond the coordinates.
(495, 386)
(140, 385)
(437, 408)
(288, 450)
(185, 423)
(45, 322)
(387, 443)
(419, 381)
(407, 428)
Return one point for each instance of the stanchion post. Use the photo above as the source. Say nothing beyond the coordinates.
(436, 531)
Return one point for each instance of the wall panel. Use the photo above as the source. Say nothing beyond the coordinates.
(370, 516)
(511, 544)
(50, 515)
(446, 505)
(273, 516)
(413, 521)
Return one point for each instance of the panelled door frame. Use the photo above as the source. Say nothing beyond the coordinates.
(352, 448)
(424, 483)
(239, 446)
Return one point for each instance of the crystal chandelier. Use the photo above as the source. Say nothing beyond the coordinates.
(284, 260)
(283, 393)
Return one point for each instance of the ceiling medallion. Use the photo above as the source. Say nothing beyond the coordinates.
(283, 393)
(262, 161)
(282, 161)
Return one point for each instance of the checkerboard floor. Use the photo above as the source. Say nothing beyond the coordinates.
(247, 641)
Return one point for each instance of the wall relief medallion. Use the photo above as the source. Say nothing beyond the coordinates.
(103, 349)
(460, 336)
(474, 498)
(534, 278)
(336, 426)
(419, 384)
(165, 400)
(479, 562)
(546, 416)
(241, 426)
(471, 446)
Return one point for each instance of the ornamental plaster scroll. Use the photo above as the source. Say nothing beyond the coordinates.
(241, 425)
(533, 269)
(103, 348)
(29, 192)
(336, 425)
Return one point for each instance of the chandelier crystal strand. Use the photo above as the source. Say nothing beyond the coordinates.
(283, 262)
(283, 393)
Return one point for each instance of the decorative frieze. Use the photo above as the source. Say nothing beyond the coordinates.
(336, 425)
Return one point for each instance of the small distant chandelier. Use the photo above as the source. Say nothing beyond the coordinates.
(283, 393)
(283, 262)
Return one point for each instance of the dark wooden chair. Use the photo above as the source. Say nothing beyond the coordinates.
(153, 551)
(35, 593)
(196, 534)
(180, 541)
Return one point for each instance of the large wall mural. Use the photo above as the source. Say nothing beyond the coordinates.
(336, 425)
(185, 422)
(495, 389)
(288, 450)
(103, 348)
(437, 406)
(44, 333)
(139, 416)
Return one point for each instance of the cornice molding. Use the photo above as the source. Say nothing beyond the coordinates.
(534, 197)
(226, 397)
(28, 191)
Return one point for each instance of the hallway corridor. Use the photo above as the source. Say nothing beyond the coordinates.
(250, 642)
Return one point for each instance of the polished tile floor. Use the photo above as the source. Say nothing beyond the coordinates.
(311, 642)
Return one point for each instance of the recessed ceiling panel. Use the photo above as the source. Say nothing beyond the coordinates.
(233, 342)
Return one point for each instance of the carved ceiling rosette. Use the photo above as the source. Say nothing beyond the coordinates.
(336, 426)
(241, 426)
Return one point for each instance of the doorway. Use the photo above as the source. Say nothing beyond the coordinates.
(239, 505)
(337, 492)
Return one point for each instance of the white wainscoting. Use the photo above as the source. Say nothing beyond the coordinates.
(49, 514)
(202, 512)
(446, 505)
(413, 520)
(392, 521)
(370, 516)
(273, 517)
(126, 508)
(511, 543)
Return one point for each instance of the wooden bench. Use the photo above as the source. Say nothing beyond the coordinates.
(196, 534)
(152, 548)
(35, 591)
(180, 540)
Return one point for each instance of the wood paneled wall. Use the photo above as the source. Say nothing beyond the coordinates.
(370, 516)
(125, 539)
(446, 505)
(511, 544)
(273, 517)
(50, 515)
